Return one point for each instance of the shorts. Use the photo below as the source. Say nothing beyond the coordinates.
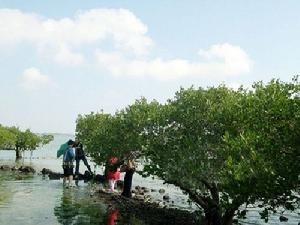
(68, 170)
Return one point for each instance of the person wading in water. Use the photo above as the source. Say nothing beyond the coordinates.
(68, 164)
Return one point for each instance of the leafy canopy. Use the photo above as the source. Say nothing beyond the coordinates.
(14, 138)
(223, 147)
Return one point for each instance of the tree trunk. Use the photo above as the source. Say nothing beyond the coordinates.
(213, 215)
(229, 213)
(228, 218)
(18, 154)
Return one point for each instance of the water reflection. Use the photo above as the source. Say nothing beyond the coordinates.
(78, 209)
(6, 191)
(75, 210)
(67, 211)
(112, 215)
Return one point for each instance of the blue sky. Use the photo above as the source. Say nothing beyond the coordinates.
(59, 59)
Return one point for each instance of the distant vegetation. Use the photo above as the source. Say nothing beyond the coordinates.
(14, 139)
(225, 148)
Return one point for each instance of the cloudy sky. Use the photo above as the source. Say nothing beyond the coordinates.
(60, 58)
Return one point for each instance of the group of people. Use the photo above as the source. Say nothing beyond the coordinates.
(113, 170)
(73, 152)
(115, 167)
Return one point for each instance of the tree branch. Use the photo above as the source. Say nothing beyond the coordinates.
(229, 213)
(212, 187)
(193, 195)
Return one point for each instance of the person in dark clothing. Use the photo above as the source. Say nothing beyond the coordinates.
(129, 168)
(80, 155)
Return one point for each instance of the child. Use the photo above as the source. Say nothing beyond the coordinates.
(113, 173)
(68, 166)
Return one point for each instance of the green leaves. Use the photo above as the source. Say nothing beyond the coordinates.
(106, 135)
(245, 141)
(7, 138)
(14, 138)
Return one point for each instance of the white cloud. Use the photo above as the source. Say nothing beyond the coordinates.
(69, 41)
(65, 56)
(126, 32)
(220, 60)
(234, 58)
(32, 79)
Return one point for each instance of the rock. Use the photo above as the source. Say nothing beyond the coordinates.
(146, 190)
(160, 204)
(26, 169)
(46, 171)
(156, 212)
(138, 188)
(14, 168)
(5, 167)
(147, 198)
(153, 190)
(166, 197)
(54, 176)
(161, 191)
(283, 219)
(139, 197)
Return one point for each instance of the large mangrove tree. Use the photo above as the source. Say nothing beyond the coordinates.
(225, 148)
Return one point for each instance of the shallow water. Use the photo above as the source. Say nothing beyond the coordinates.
(36, 200)
(33, 199)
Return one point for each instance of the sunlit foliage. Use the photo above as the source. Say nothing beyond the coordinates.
(223, 147)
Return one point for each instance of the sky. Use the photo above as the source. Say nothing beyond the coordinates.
(59, 59)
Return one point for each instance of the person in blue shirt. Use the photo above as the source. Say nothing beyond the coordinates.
(68, 166)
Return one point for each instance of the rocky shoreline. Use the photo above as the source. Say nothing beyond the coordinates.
(21, 169)
(150, 212)
(139, 206)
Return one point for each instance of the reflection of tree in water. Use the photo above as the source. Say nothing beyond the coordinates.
(8, 191)
(73, 210)
(67, 211)
(76, 209)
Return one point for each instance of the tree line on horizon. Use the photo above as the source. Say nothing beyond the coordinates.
(227, 149)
